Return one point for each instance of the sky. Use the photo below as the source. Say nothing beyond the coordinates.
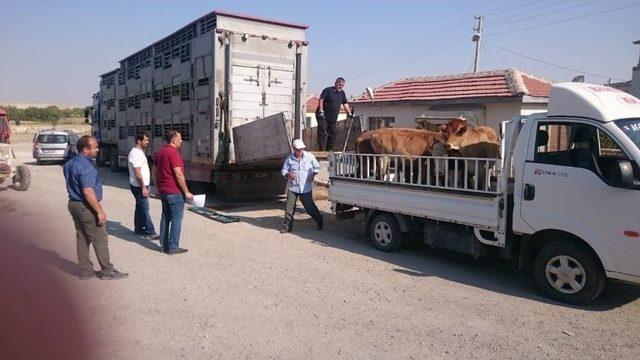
(54, 51)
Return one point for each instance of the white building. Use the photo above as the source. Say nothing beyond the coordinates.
(483, 98)
(632, 86)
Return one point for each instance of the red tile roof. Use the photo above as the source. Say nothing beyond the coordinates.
(501, 83)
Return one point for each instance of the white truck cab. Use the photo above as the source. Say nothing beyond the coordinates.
(564, 195)
(578, 177)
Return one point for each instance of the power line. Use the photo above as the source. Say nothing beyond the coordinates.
(543, 14)
(551, 64)
(394, 63)
(567, 19)
(503, 8)
(390, 60)
(394, 52)
(415, 58)
(514, 17)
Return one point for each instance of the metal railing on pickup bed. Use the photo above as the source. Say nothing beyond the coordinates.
(473, 175)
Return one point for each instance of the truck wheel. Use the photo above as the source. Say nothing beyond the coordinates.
(100, 158)
(569, 272)
(385, 233)
(113, 160)
(22, 178)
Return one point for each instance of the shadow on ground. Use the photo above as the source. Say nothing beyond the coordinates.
(115, 229)
(418, 260)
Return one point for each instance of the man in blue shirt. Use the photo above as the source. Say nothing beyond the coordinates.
(300, 168)
(85, 193)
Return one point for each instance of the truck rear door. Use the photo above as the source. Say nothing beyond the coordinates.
(262, 80)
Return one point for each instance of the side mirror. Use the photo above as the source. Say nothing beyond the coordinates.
(622, 174)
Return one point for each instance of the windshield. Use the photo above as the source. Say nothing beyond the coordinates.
(52, 139)
(631, 128)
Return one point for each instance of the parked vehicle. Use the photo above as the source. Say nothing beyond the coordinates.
(20, 175)
(563, 197)
(54, 145)
(232, 85)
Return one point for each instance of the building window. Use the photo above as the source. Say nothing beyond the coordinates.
(122, 104)
(185, 91)
(185, 52)
(166, 95)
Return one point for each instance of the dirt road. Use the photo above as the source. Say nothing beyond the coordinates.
(245, 291)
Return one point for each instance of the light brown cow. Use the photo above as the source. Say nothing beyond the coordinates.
(409, 143)
(465, 141)
(481, 142)
(363, 142)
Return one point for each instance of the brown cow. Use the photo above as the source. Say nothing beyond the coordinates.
(464, 141)
(467, 141)
(406, 142)
(363, 142)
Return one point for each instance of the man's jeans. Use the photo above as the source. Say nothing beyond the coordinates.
(307, 202)
(326, 134)
(141, 218)
(171, 223)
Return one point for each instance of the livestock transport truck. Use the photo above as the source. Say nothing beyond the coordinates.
(563, 199)
(232, 85)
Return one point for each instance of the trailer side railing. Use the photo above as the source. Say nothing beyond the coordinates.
(472, 175)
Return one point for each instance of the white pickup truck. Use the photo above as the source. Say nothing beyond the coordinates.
(564, 196)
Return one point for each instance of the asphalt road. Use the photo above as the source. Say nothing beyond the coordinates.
(245, 291)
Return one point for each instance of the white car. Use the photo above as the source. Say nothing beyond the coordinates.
(54, 145)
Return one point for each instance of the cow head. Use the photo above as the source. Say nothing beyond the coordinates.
(458, 126)
(454, 131)
(439, 145)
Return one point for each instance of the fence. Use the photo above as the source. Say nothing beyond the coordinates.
(477, 175)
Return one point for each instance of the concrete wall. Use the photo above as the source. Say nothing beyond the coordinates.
(32, 129)
(310, 119)
(491, 115)
(635, 81)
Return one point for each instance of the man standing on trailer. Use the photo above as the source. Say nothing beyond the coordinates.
(139, 178)
(327, 113)
(168, 175)
(300, 168)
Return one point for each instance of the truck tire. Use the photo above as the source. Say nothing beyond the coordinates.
(385, 233)
(113, 160)
(22, 178)
(569, 272)
(100, 158)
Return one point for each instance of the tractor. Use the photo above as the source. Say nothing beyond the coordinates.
(20, 174)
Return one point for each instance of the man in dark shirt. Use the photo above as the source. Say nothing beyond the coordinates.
(327, 113)
(168, 175)
(85, 193)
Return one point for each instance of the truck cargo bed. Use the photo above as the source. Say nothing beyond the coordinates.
(436, 188)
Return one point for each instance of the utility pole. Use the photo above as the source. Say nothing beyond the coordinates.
(476, 39)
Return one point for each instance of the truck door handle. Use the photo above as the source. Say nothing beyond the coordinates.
(529, 192)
